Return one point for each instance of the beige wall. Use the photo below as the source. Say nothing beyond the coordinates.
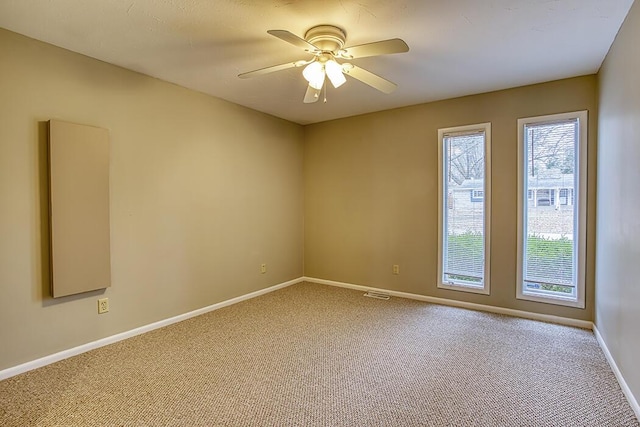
(371, 192)
(202, 192)
(617, 313)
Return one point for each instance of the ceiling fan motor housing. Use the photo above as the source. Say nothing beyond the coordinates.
(326, 38)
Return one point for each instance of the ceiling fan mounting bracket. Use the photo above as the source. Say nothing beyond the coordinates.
(326, 38)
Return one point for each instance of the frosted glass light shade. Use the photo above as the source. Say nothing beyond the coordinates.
(334, 72)
(314, 74)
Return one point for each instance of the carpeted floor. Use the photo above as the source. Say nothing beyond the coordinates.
(313, 355)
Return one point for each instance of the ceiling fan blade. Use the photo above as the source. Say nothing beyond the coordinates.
(367, 77)
(273, 69)
(384, 47)
(312, 95)
(293, 39)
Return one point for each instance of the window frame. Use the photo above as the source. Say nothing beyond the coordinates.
(443, 207)
(580, 214)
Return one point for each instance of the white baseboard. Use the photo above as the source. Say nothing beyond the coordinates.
(47, 360)
(614, 367)
(461, 304)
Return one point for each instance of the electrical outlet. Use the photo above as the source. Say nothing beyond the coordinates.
(103, 305)
(396, 269)
(263, 268)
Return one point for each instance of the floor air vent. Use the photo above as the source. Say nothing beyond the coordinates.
(378, 295)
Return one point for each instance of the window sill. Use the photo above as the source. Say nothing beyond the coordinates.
(556, 300)
(465, 288)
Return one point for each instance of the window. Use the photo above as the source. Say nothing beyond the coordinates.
(545, 197)
(463, 208)
(552, 208)
(477, 195)
(566, 196)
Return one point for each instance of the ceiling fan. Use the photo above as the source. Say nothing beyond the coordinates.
(326, 44)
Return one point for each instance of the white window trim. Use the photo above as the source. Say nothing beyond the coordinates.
(442, 204)
(580, 194)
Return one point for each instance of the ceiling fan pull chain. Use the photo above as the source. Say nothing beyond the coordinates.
(325, 94)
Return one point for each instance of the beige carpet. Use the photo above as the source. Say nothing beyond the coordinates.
(312, 355)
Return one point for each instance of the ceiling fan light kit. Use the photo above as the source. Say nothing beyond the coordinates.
(326, 44)
(315, 73)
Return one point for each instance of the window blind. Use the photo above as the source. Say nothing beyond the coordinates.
(464, 211)
(549, 264)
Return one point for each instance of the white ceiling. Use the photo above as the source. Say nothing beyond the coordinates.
(457, 47)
